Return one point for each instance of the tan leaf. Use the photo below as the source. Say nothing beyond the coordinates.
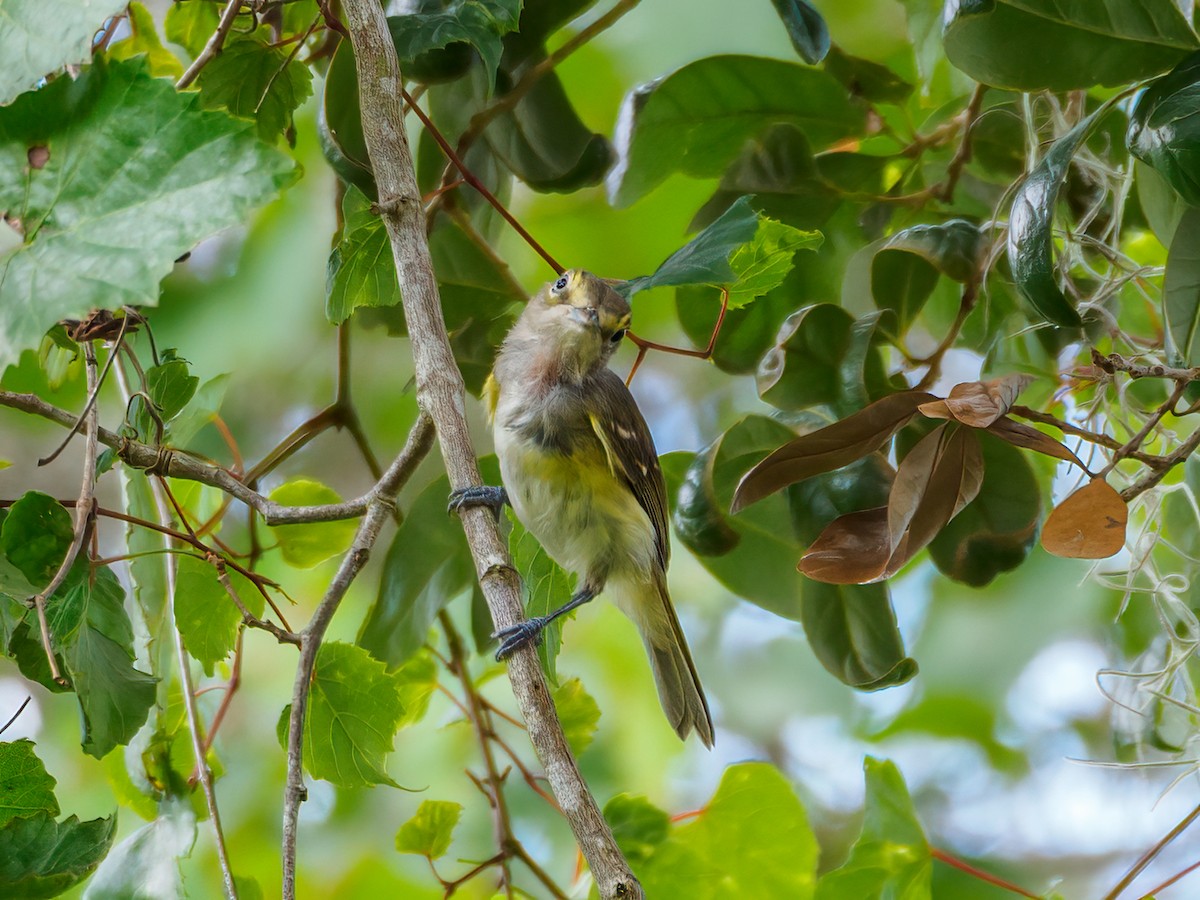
(1020, 435)
(978, 403)
(829, 448)
(852, 549)
(1090, 524)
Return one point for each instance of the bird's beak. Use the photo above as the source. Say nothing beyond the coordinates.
(586, 316)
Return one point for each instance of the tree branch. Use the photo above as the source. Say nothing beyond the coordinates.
(440, 393)
(213, 47)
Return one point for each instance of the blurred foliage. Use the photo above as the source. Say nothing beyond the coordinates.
(943, 261)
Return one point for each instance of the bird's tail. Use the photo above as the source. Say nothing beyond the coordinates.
(679, 688)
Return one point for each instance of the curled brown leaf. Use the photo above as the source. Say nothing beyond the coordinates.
(978, 403)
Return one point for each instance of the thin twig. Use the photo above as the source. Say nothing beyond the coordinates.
(963, 155)
(379, 508)
(1159, 888)
(1135, 442)
(934, 360)
(643, 345)
(1148, 857)
(957, 863)
(1092, 437)
(1113, 363)
(213, 47)
(1153, 477)
(440, 394)
(15, 716)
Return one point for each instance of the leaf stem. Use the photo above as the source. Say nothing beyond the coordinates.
(962, 866)
(1148, 857)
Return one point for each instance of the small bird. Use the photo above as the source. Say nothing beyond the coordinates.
(580, 470)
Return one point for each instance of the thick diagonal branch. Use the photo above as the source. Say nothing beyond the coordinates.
(440, 393)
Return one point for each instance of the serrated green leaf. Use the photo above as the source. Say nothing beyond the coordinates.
(578, 714)
(416, 681)
(761, 265)
(852, 631)
(545, 587)
(90, 628)
(308, 545)
(429, 832)
(190, 24)
(26, 788)
(39, 37)
(891, 856)
(427, 565)
(43, 858)
(34, 538)
(354, 710)
(638, 826)
(144, 41)
(1064, 46)
(679, 123)
(205, 614)
(252, 80)
(120, 196)
(1181, 290)
(148, 858)
(360, 271)
(806, 28)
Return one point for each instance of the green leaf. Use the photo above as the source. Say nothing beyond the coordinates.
(891, 857)
(995, 531)
(148, 858)
(1161, 205)
(680, 123)
(207, 618)
(255, 81)
(852, 630)
(755, 833)
(339, 126)
(26, 788)
(638, 826)
(1181, 291)
(360, 271)
(427, 565)
(43, 858)
(578, 714)
(354, 710)
(742, 249)
(545, 586)
(905, 268)
(761, 567)
(1064, 46)
(120, 197)
(1030, 224)
(308, 545)
(190, 23)
(478, 23)
(39, 37)
(806, 28)
(1164, 129)
(867, 79)
(170, 386)
(144, 40)
(416, 681)
(34, 538)
(90, 628)
(429, 832)
(699, 519)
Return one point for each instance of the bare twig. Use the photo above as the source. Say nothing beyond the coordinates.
(1155, 475)
(643, 345)
(1135, 442)
(963, 155)
(379, 508)
(1113, 363)
(1159, 888)
(1148, 857)
(213, 47)
(1092, 437)
(16, 715)
(983, 876)
(440, 394)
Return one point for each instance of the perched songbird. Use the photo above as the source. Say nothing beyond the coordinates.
(580, 470)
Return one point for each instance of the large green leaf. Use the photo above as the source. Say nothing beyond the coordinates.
(427, 565)
(1063, 46)
(1164, 129)
(684, 123)
(26, 788)
(256, 80)
(136, 175)
(1030, 224)
(1181, 290)
(905, 269)
(91, 630)
(205, 614)
(852, 630)
(39, 37)
(40, 857)
(354, 710)
(891, 857)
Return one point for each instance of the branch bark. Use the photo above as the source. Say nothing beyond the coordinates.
(440, 393)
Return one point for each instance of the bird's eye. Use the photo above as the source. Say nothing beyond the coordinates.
(617, 335)
(561, 284)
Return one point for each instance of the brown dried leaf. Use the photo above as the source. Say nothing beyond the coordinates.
(1090, 524)
(938, 477)
(829, 448)
(852, 549)
(978, 403)
(1021, 435)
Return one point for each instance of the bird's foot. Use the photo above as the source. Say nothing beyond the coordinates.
(516, 636)
(494, 498)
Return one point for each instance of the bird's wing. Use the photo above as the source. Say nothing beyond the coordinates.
(623, 432)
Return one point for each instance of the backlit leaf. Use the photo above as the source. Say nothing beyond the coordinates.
(545, 587)
(39, 37)
(34, 538)
(148, 858)
(310, 544)
(429, 832)
(144, 40)
(1090, 524)
(577, 712)
(253, 80)
(638, 826)
(205, 614)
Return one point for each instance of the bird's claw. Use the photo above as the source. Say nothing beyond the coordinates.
(494, 498)
(516, 636)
